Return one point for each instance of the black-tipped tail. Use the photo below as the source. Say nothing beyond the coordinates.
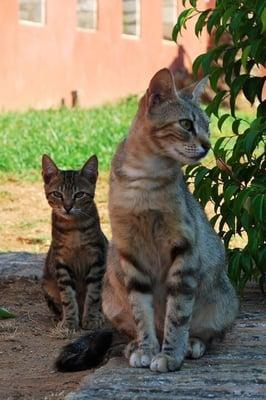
(84, 353)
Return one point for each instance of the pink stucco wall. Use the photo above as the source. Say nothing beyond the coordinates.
(40, 65)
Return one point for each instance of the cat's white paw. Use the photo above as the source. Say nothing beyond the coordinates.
(164, 363)
(196, 348)
(139, 359)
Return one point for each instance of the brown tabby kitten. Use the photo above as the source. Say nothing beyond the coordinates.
(75, 263)
(166, 284)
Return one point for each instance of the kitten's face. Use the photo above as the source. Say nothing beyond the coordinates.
(70, 193)
(180, 129)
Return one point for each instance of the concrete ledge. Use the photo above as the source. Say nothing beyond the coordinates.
(18, 264)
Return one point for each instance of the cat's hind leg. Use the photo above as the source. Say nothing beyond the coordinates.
(196, 348)
(214, 312)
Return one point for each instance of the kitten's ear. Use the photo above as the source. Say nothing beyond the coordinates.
(90, 169)
(49, 169)
(161, 88)
(194, 91)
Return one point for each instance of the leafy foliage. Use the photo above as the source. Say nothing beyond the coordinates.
(237, 184)
(4, 314)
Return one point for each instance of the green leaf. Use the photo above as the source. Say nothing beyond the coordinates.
(181, 22)
(250, 141)
(201, 172)
(196, 65)
(214, 19)
(214, 219)
(214, 77)
(4, 314)
(253, 87)
(238, 84)
(218, 144)
(201, 22)
(235, 126)
(241, 198)
(228, 14)
(229, 192)
(222, 120)
(261, 110)
(219, 32)
(258, 208)
(244, 57)
(213, 107)
(263, 20)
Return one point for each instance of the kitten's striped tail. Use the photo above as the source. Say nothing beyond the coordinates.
(86, 352)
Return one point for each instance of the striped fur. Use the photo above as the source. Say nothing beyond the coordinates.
(166, 285)
(75, 263)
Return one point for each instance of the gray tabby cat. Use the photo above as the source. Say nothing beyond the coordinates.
(76, 260)
(165, 285)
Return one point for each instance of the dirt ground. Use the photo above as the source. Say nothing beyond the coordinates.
(29, 345)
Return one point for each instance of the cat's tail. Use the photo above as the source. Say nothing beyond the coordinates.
(86, 352)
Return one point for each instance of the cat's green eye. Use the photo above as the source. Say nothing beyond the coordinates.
(79, 195)
(186, 124)
(57, 194)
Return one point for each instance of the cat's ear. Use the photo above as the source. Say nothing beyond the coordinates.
(49, 169)
(194, 91)
(90, 169)
(161, 88)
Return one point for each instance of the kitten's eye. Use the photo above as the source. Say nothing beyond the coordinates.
(57, 194)
(186, 124)
(79, 195)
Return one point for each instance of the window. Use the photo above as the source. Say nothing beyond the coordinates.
(87, 14)
(131, 17)
(169, 18)
(32, 11)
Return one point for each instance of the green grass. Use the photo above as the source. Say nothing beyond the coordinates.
(69, 136)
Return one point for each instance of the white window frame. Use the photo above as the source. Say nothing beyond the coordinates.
(35, 23)
(96, 20)
(138, 22)
(169, 40)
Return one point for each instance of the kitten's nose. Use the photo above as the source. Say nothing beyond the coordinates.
(68, 207)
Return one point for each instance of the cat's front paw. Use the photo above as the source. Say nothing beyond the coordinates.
(70, 324)
(141, 356)
(140, 359)
(165, 363)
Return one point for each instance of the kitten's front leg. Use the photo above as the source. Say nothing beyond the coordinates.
(66, 286)
(181, 287)
(141, 301)
(92, 312)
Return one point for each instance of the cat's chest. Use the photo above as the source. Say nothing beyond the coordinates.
(155, 236)
(74, 249)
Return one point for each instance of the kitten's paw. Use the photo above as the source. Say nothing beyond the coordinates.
(90, 323)
(196, 348)
(71, 325)
(164, 363)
